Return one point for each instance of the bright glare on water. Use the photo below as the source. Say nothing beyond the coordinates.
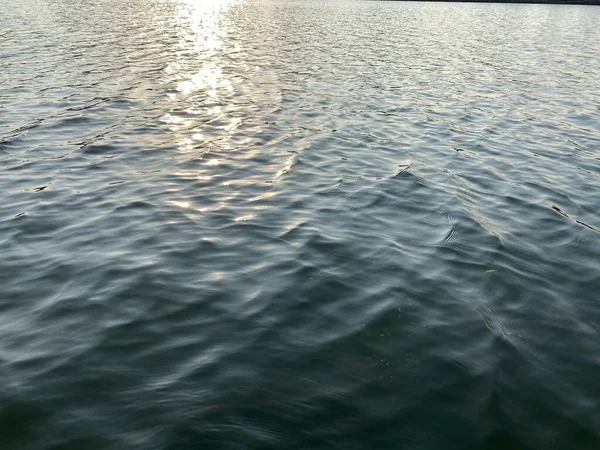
(298, 224)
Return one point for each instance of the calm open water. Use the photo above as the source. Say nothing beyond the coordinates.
(279, 224)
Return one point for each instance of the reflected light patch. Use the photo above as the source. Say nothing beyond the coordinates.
(263, 196)
(181, 204)
(170, 118)
(198, 78)
(234, 124)
(238, 182)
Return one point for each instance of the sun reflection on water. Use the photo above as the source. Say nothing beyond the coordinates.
(216, 94)
(202, 91)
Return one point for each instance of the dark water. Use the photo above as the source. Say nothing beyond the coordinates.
(272, 224)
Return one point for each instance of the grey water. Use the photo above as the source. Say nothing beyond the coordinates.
(297, 224)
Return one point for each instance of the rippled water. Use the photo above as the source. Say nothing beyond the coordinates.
(263, 224)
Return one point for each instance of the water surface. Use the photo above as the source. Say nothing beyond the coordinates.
(269, 224)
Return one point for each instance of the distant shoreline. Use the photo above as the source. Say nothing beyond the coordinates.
(532, 2)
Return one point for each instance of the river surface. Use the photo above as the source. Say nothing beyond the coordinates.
(296, 224)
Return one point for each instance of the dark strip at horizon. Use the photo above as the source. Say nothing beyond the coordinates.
(530, 2)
